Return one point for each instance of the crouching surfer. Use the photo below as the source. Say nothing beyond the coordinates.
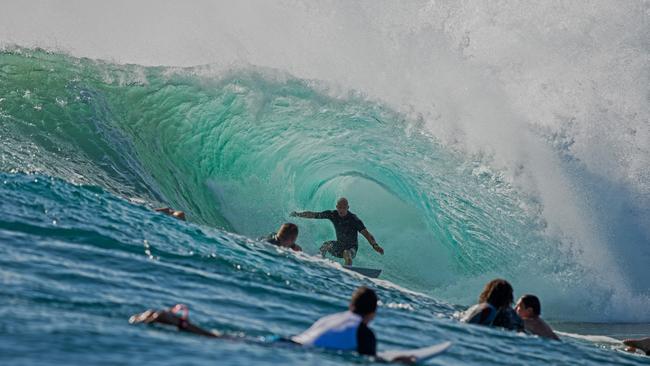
(285, 237)
(347, 225)
(345, 331)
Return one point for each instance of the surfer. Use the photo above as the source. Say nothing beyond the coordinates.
(345, 331)
(285, 237)
(529, 309)
(171, 212)
(641, 343)
(171, 317)
(494, 307)
(347, 225)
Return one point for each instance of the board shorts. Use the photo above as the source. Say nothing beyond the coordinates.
(336, 248)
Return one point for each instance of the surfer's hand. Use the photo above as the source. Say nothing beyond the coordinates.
(378, 249)
(293, 214)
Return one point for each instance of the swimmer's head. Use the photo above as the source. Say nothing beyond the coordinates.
(287, 234)
(528, 306)
(364, 303)
(342, 206)
(179, 215)
(497, 293)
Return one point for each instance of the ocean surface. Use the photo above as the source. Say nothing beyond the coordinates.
(474, 141)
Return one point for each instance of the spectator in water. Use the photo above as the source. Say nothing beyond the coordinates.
(171, 212)
(343, 331)
(495, 307)
(529, 309)
(285, 237)
(642, 344)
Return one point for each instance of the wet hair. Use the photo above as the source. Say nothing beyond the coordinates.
(531, 301)
(286, 231)
(363, 301)
(497, 293)
(341, 201)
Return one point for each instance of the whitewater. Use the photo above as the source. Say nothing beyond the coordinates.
(475, 140)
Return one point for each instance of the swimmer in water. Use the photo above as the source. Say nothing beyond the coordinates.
(642, 344)
(347, 225)
(529, 309)
(345, 331)
(285, 237)
(494, 308)
(170, 212)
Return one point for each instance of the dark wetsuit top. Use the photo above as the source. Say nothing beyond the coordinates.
(346, 227)
(508, 318)
(366, 341)
(486, 314)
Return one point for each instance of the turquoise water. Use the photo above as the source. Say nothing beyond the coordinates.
(89, 147)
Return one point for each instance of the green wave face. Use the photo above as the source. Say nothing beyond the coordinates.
(243, 148)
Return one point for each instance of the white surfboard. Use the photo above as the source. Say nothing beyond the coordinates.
(420, 354)
(368, 272)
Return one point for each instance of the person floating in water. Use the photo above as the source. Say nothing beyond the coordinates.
(347, 225)
(529, 309)
(494, 307)
(642, 344)
(345, 331)
(171, 212)
(285, 237)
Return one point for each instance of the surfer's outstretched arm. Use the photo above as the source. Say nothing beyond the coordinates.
(372, 241)
(168, 317)
(306, 214)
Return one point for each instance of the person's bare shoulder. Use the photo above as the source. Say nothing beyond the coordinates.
(539, 327)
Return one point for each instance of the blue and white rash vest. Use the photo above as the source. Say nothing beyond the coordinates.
(341, 331)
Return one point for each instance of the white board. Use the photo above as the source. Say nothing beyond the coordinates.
(368, 272)
(420, 354)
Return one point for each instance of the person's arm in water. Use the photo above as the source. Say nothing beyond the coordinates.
(372, 241)
(170, 318)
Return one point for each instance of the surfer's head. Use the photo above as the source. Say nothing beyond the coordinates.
(528, 306)
(342, 206)
(364, 303)
(497, 293)
(287, 234)
(179, 215)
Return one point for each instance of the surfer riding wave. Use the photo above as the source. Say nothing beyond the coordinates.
(347, 225)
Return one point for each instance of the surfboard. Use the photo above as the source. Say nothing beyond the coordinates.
(420, 354)
(368, 272)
